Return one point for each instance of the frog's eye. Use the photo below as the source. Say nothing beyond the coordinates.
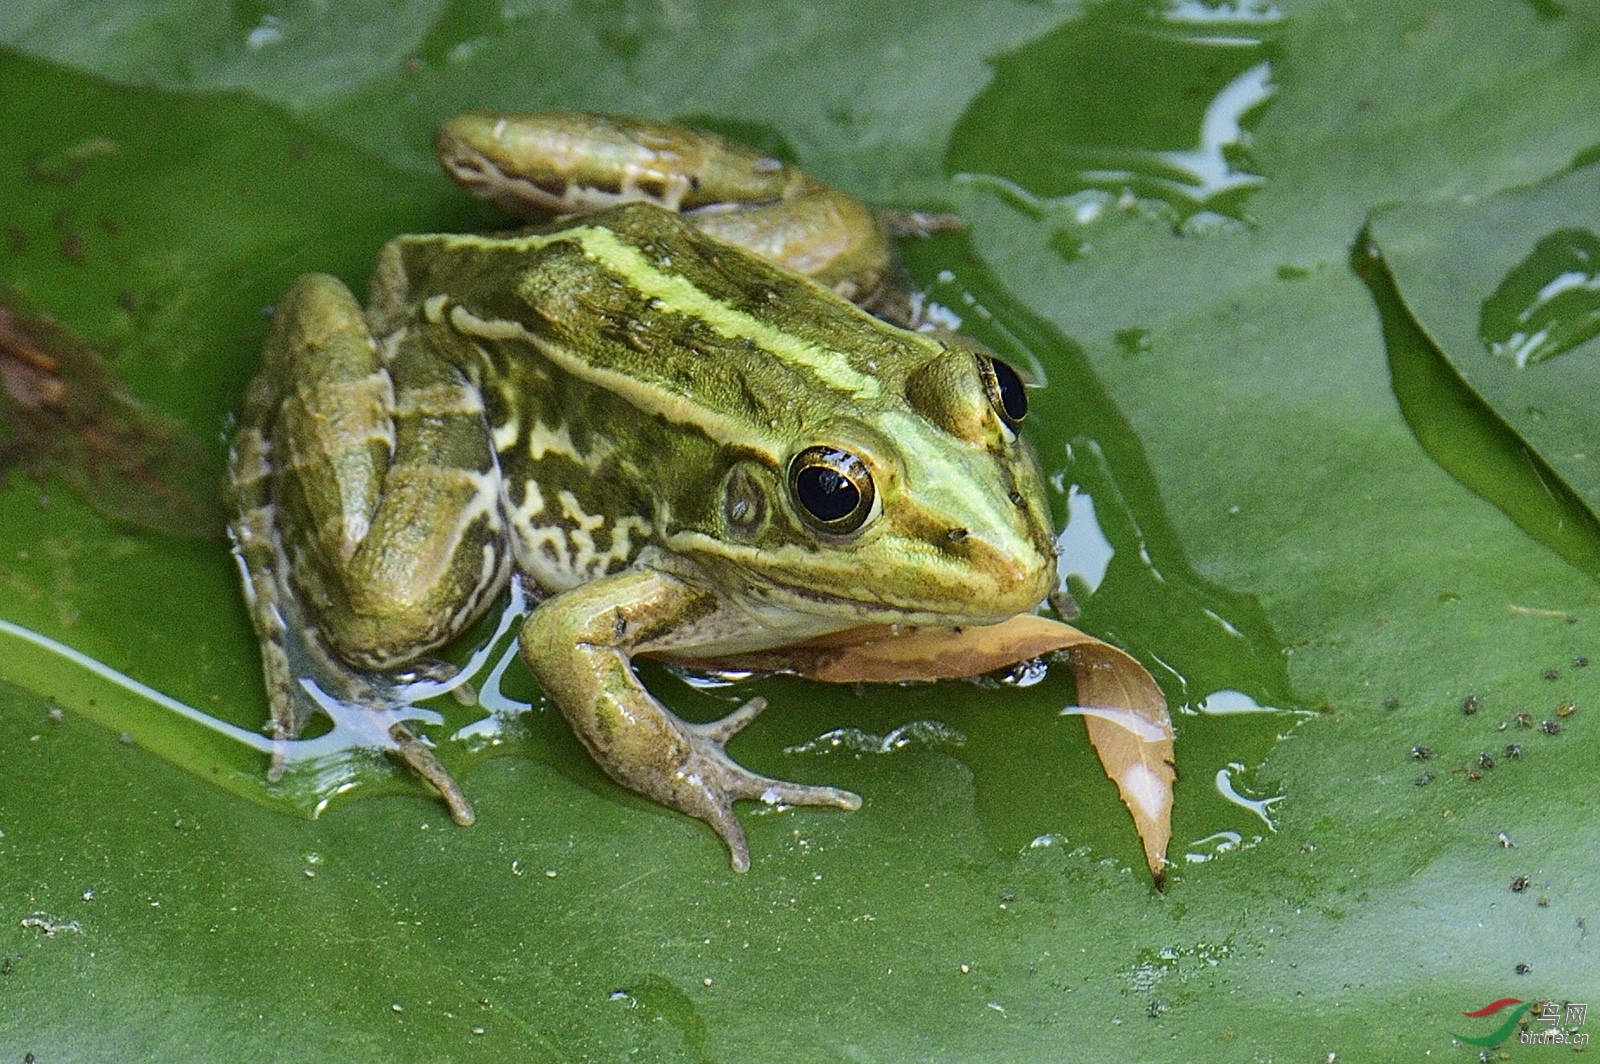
(832, 488)
(1006, 393)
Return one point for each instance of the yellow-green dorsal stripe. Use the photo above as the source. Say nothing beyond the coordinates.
(716, 426)
(679, 294)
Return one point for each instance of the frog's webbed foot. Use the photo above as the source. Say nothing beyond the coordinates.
(353, 700)
(709, 781)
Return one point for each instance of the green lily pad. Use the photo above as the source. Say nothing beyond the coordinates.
(1506, 291)
(1250, 514)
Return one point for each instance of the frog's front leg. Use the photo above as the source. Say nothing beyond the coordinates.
(579, 644)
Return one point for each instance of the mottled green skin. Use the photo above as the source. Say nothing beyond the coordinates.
(609, 408)
(714, 403)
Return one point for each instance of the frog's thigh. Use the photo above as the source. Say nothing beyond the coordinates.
(390, 478)
(333, 426)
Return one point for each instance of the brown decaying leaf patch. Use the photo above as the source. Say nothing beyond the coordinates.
(1122, 707)
(64, 413)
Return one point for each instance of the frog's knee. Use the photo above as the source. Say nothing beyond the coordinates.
(318, 327)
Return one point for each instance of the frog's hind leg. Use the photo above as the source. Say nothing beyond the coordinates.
(339, 472)
(291, 649)
(538, 164)
(543, 164)
(258, 549)
(554, 163)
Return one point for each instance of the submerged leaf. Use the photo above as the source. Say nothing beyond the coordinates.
(64, 413)
(1123, 708)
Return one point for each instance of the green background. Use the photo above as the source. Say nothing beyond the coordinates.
(1218, 381)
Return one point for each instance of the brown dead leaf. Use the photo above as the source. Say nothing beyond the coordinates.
(64, 413)
(1122, 707)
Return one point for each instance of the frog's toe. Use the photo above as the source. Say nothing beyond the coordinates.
(717, 781)
(720, 731)
(418, 756)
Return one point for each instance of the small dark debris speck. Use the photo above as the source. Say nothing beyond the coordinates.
(1519, 884)
(1550, 727)
(6, 964)
(1551, 673)
(1421, 753)
(1471, 704)
(72, 247)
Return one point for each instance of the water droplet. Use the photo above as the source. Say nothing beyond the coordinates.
(268, 31)
(930, 733)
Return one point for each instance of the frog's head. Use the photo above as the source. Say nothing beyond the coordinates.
(921, 505)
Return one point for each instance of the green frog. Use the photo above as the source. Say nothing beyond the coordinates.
(665, 413)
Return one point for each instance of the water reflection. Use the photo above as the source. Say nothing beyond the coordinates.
(1549, 303)
(1084, 552)
(1128, 107)
(1259, 806)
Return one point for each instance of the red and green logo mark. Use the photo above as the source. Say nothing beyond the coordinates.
(1502, 1032)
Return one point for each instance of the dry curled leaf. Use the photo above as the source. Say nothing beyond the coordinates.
(64, 413)
(1123, 708)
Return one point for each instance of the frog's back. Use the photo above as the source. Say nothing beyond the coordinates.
(641, 303)
(630, 366)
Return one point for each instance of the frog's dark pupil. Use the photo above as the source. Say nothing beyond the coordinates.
(1013, 397)
(825, 493)
(832, 488)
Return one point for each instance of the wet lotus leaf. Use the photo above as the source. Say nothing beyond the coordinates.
(1506, 290)
(1161, 201)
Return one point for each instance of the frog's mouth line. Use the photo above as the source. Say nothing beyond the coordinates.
(853, 611)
